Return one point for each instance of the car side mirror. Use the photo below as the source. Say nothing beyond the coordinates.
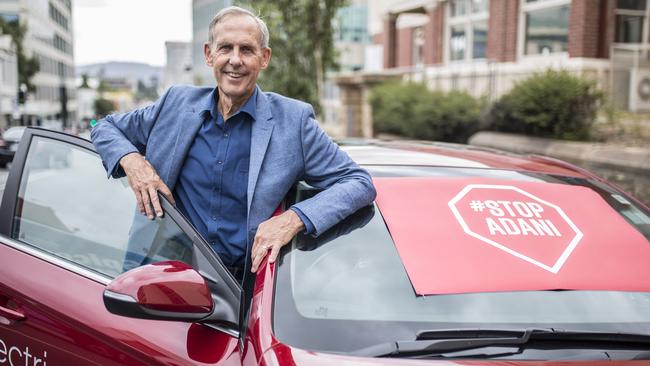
(170, 290)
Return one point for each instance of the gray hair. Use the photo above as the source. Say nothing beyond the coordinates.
(236, 10)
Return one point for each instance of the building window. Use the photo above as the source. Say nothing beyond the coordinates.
(61, 44)
(67, 3)
(630, 19)
(9, 17)
(546, 28)
(480, 6)
(58, 17)
(351, 24)
(457, 8)
(479, 40)
(468, 27)
(457, 43)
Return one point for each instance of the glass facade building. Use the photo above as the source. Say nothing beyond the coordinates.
(351, 35)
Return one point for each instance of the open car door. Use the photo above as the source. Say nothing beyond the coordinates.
(66, 232)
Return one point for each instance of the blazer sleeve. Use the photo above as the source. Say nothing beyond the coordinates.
(119, 134)
(346, 186)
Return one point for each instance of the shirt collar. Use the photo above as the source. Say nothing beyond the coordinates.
(250, 107)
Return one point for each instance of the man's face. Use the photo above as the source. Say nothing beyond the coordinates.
(236, 56)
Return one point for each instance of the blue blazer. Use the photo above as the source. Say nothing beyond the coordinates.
(287, 146)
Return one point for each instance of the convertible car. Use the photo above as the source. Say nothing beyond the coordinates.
(468, 256)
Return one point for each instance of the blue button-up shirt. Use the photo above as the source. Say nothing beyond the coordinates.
(212, 185)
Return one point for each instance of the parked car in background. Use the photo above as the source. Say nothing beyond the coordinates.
(9, 144)
(468, 256)
(5, 155)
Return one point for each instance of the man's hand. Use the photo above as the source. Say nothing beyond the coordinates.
(273, 234)
(145, 183)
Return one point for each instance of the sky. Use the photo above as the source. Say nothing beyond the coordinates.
(128, 30)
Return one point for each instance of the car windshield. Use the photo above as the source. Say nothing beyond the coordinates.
(348, 288)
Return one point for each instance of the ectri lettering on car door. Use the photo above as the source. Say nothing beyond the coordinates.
(19, 355)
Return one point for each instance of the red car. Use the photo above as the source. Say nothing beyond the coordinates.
(468, 256)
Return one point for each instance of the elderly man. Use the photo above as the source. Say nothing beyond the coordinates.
(226, 156)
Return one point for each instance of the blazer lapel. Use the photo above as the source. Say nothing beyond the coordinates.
(260, 137)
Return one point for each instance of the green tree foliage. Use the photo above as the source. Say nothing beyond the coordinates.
(27, 66)
(412, 110)
(103, 87)
(145, 92)
(84, 82)
(552, 104)
(103, 107)
(301, 37)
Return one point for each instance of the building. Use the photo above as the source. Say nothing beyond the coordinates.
(49, 39)
(202, 13)
(485, 46)
(178, 69)
(351, 38)
(351, 25)
(8, 81)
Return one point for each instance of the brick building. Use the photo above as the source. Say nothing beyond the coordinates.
(485, 46)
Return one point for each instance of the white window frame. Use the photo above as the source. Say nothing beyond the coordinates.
(525, 7)
(646, 18)
(467, 19)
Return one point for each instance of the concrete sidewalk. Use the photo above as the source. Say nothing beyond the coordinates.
(628, 158)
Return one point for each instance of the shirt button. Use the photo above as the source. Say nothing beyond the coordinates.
(225, 135)
(214, 218)
(219, 162)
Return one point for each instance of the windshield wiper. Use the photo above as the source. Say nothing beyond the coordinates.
(447, 340)
(482, 333)
(439, 342)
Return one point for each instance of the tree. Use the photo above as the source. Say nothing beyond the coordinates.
(84, 82)
(301, 35)
(103, 107)
(103, 87)
(144, 92)
(27, 66)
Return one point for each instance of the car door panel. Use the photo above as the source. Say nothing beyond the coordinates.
(66, 319)
(58, 285)
(60, 313)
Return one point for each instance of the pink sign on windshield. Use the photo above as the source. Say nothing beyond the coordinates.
(459, 236)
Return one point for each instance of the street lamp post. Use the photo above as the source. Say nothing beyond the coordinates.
(63, 97)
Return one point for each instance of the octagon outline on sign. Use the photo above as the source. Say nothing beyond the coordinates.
(560, 261)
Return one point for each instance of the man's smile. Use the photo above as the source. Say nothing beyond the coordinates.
(234, 75)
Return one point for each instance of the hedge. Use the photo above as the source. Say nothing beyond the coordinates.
(553, 104)
(414, 111)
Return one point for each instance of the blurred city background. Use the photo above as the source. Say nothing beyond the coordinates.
(565, 78)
